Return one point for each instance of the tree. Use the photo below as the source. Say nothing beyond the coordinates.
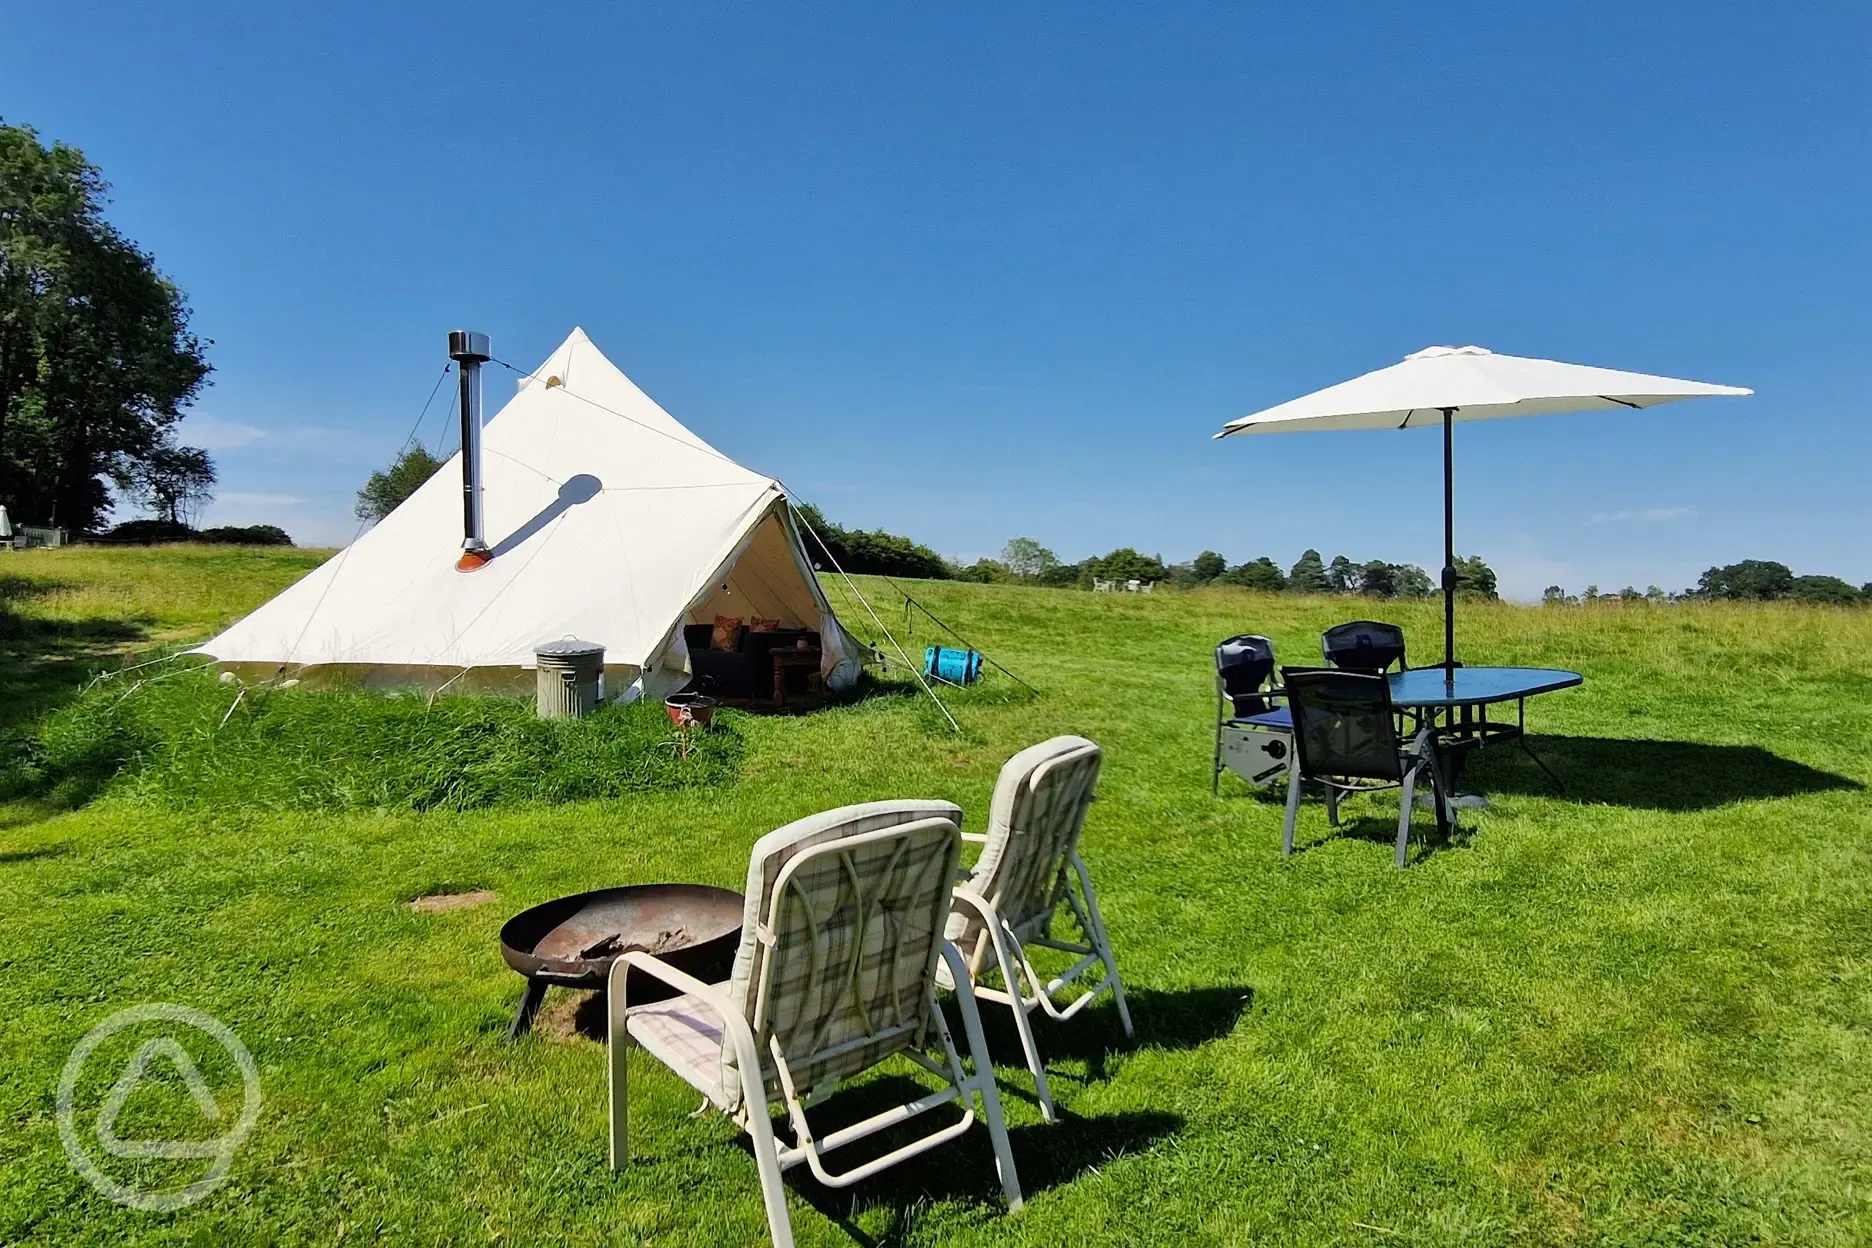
(1028, 559)
(1262, 574)
(1207, 566)
(385, 491)
(1342, 576)
(1553, 596)
(1655, 594)
(1591, 595)
(1475, 577)
(1412, 581)
(247, 535)
(1126, 564)
(1376, 580)
(1758, 579)
(873, 553)
(985, 572)
(1827, 590)
(171, 482)
(147, 533)
(1066, 574)
(97, 360)
(1630, 594)
(1308, 575)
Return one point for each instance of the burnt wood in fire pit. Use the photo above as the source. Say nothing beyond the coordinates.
(573, 941)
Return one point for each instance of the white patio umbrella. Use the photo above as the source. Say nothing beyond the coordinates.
(1447, 384)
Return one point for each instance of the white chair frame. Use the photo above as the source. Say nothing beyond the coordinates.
(773, 1157)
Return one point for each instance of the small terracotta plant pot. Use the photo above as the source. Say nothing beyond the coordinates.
(690, 710)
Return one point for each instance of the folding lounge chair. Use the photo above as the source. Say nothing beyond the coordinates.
(836, 972)
(1253, 737)
(1365, 645)
(1029, 865)
(1346, 738)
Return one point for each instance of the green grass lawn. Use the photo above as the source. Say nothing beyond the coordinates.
(1637, 1014)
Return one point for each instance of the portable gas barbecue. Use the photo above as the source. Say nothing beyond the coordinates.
(573, 941)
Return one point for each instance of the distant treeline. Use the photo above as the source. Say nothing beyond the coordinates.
(872, 553)
(152, 532)
(1751, 580)
(1025, 561)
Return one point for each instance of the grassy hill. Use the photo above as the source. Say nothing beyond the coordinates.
(1640, 1013)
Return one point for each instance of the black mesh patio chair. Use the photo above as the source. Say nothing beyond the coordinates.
(1252, 735)
(1365, 645)
(1345, 738)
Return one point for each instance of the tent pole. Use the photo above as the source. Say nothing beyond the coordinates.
(1449, 551)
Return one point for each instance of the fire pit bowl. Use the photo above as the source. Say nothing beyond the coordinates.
(574, 940)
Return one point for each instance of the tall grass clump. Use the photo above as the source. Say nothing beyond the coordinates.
(190, 741)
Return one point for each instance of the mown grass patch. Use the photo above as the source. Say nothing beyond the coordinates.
(188, 741)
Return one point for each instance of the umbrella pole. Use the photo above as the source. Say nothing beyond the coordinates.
(1449, 552)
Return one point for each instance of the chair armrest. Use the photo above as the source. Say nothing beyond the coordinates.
(1423, 745)
(657, 968)
(965, 874)
(976, 902)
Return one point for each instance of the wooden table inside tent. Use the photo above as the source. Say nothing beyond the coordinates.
(796, 657)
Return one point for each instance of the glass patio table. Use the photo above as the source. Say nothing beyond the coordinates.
(1457, 703)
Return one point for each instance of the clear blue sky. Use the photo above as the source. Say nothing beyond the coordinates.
(971, 271)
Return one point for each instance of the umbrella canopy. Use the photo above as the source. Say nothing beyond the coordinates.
(1477, 384)
(1441, 385)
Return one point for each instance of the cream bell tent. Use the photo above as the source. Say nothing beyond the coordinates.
(608, 521)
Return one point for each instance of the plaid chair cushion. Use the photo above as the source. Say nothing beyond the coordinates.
(1032, 827)
(685, 1034)
(855, 943)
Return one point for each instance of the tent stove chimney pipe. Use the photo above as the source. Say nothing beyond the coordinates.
(470, 351)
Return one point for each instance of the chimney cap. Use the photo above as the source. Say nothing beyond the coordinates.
(468, 346)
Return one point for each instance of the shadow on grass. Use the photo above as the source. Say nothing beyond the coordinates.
(1379, 827)
(867, 688)
(43, 661)
(870, 687)
(1046, 1155)
(1648, 774)
(16, 588)
(1179, 1019)
(11, 856)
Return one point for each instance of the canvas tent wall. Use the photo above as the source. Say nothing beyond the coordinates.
(609, 521)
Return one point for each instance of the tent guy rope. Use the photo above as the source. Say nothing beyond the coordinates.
(882, 626)
(363, 523)
(912, 602)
